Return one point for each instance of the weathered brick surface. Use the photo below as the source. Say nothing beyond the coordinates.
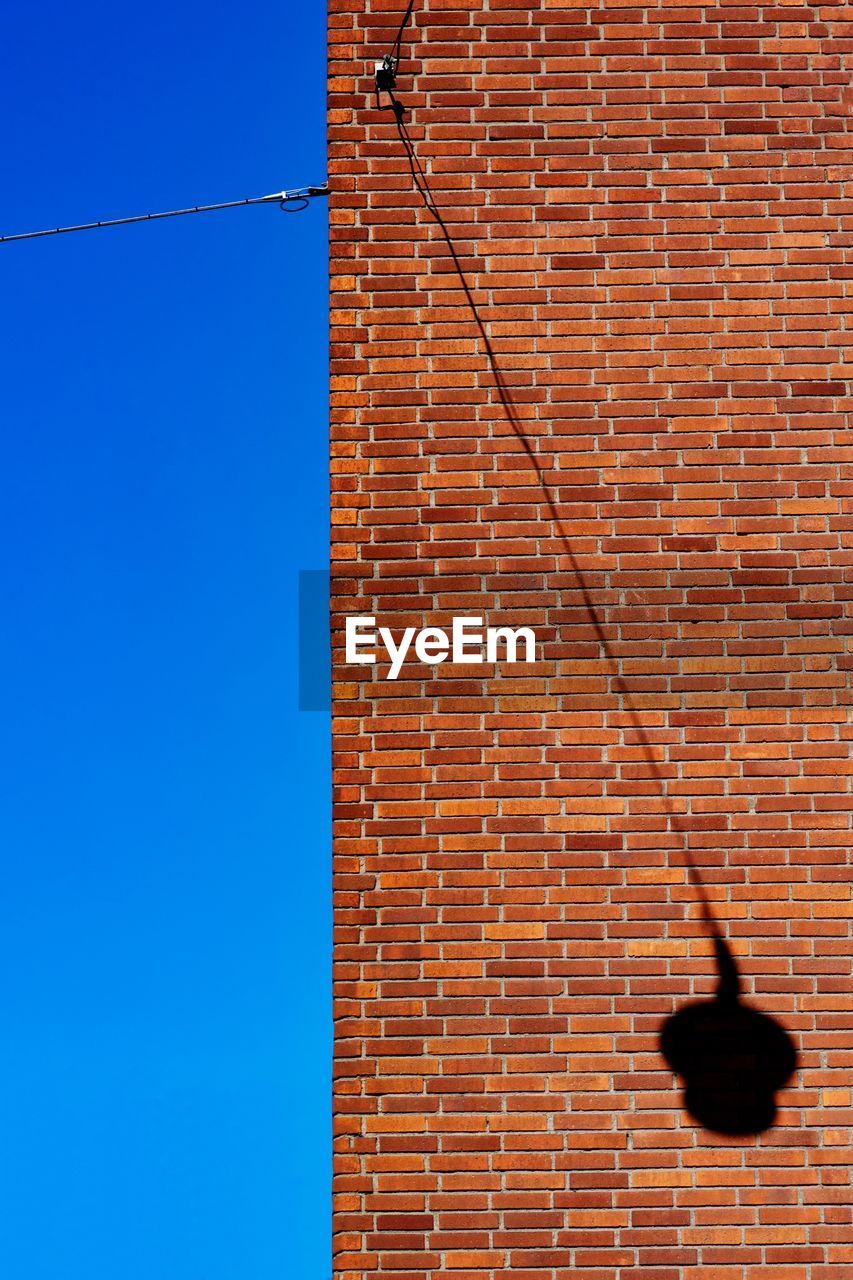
(654, 208)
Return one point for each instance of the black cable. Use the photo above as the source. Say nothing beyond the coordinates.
(422, 185)
(290, 201)
(395, 48)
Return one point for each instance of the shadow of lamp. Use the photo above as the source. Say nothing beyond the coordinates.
(731, 1057)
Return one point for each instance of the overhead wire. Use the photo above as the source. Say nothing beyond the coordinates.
(290, 201)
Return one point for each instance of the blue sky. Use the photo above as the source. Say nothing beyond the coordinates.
(164, 808)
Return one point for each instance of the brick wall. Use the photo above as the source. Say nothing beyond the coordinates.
(652, 207)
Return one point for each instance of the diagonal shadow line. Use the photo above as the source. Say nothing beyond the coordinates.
(618, 681)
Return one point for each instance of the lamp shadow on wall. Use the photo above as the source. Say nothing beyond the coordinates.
(732, 1058)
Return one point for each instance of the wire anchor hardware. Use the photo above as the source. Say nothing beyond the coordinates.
(385, 74)
(385, 69)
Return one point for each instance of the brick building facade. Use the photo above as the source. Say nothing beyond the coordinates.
(607, 395)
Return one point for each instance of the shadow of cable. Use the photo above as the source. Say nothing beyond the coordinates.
(732, 1057)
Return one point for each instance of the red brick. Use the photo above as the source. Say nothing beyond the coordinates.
(653, 211)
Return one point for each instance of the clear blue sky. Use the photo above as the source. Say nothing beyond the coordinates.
(164, 809)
